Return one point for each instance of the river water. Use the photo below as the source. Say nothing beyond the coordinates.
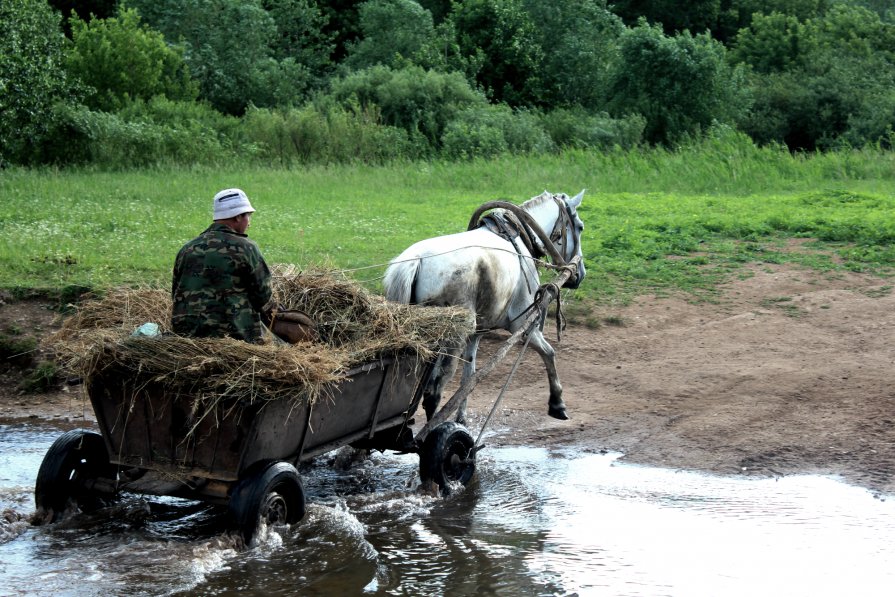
(532, 522)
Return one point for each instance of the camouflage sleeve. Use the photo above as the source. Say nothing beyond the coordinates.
(258, 282)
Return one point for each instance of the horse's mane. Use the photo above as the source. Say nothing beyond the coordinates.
(536, 202)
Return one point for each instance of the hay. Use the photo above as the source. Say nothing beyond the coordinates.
(355, 327)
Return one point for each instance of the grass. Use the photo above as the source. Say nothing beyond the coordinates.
(657, 221)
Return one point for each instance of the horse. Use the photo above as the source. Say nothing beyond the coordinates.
(491, 269)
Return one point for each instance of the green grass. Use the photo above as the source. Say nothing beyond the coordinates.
(656, 221)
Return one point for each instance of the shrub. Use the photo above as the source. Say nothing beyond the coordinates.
(40, 379)
(487, 131)
(420, 102)
(145, 134)
(579, 129)
(336, 135)
(122, 60)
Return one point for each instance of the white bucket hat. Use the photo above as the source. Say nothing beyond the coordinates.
(231, 202)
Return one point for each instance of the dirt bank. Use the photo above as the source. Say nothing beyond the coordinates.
(790, 371)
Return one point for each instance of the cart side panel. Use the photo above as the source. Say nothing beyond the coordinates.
(373, 400)
(276, 433)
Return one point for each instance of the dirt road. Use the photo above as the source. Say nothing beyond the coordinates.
(791, 371)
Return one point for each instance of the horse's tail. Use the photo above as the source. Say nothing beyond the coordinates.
(400, 278)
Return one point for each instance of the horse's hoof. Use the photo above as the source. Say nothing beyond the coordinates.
(557, 412)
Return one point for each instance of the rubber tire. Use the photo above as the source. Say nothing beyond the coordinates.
(273, 492)
(75, 457)
(447, 456)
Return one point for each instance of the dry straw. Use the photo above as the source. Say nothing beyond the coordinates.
(355, 327)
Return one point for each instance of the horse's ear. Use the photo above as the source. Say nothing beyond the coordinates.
(576, 200)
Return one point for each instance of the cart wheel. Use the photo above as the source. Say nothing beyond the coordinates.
(75, 458)
(447, 456)
(273, 494)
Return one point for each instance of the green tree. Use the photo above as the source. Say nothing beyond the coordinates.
(836, 85)
(582, 37)
(122, 60)
(680, 84)
(418, 101)
(772, 43)
(392, 31)
(228, 47)
(501, 34)
(300, 36)
(32, 77)
(695, 16)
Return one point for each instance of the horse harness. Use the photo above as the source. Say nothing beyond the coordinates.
(512, 223)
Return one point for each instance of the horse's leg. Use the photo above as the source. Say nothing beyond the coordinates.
(472, 347)
(556, 408)
(442, 372)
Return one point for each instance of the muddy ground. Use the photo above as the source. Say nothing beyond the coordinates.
(791, 371)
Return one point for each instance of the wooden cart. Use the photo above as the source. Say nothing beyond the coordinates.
(240, 453)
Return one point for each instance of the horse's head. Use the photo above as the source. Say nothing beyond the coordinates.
(567, 234)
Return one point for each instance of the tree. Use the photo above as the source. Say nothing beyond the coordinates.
(300, 36)
(680, 84)
(32, 77)
(695, 16)
(418, 101)
(582, 36)
(505, 39)
(391, 30)
(229, 49)
(772, 43)
(121, 60)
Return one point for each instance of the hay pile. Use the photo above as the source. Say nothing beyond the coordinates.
(355, 327)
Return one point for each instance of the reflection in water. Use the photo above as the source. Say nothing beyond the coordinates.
(532, 522)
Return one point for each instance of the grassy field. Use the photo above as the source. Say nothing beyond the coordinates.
(656, 221)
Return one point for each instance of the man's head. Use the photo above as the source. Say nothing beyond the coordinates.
(232, 208)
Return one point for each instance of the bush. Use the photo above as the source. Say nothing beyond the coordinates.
(336, 135)
(420, 102)
(40, 379)
(144, 134)
(578, 129)
(680, 84)
(122, 60)
(32, 77)
(488, 131)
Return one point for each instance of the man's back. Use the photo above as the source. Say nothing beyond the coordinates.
(221, 285)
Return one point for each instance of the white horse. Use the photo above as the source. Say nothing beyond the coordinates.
(491, 270)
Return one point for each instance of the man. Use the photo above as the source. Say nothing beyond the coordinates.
(221, 283)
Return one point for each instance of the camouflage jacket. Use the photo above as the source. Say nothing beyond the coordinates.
(221, 286)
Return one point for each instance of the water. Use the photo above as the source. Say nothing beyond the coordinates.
(532, 522)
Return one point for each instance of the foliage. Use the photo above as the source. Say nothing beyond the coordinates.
(582, 37)
(675, 17)
(577, 128)
(229, 51)
(306, 135)
(159, 131)
(32, 77)
(300, 34)
(680, 84)
(502, 33)
(822, 82)
(418, 101)
(488, 131)
(121, 60)
(391, 30)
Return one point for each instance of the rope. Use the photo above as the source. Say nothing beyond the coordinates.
(477, 445)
